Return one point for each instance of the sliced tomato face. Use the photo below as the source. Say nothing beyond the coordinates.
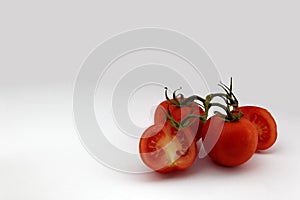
(264, 123)
(163, 148)
(179, 113)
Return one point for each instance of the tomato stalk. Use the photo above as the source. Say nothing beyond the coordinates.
(184, 122)
(175, 100)
(179, 101)
(228, 97)
(231, 103)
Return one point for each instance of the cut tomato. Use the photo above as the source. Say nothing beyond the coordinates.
(264, 123)
(163, 148)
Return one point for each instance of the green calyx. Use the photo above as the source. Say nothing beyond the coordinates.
(185, 122)
(175, 100)
(229, 106)
(179, 101)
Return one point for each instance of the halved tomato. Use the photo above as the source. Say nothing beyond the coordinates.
(264, 123)
(163, 148)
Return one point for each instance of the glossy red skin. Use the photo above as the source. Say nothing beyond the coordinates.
(264, 123)
(179, 113)
(236, 142)
(159, 144)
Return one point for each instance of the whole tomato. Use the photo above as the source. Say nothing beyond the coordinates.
(229, 143)
(179, 112)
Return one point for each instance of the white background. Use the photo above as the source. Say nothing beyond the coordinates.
(42, 46)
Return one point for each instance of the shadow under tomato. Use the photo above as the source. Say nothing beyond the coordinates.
(244, 169)
(210, 169)
(272, 150)
(155, 176)
(205, 169)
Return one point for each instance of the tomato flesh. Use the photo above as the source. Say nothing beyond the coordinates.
(163, 148)
(264, 123)
(179, 113)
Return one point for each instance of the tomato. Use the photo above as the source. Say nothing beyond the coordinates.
(179, 113)
(163, 148)
(229, 143)
(264, 123)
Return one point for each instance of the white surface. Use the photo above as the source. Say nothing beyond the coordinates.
(42, 47)
(41, 158)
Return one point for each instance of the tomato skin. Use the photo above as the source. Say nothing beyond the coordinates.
(264, 123)
(163, 148)
(179, 113)
(236, 142)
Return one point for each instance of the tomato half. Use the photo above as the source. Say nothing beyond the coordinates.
(179, 113)
(229, 143)
(264, 123)
(163, 148)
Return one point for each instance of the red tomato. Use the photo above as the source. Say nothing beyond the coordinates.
(163, 148)
(229, 143)
(264, 123)
(179, 113)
